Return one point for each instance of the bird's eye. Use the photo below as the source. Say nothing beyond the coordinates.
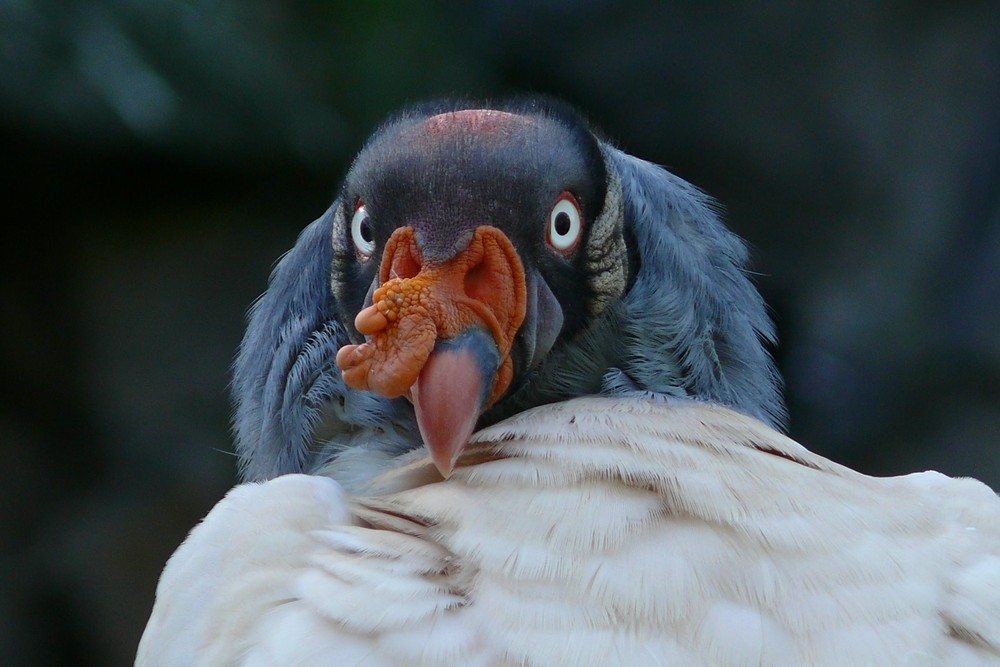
(565, 227)
(362, 233)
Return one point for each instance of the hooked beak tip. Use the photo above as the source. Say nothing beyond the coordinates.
(450, 393)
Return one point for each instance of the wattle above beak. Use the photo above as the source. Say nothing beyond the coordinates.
(441, 333)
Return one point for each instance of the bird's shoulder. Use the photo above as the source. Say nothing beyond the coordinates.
(235, 565)
(619, 526)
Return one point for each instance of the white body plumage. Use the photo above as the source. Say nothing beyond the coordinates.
(598, 531)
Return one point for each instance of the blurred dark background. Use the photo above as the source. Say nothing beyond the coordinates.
(160, 156)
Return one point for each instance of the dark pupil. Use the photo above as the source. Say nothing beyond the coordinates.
(562, 223)
(366, 231)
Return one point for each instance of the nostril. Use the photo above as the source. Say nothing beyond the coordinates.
(401, 257)
(479, 282)
(404, 264)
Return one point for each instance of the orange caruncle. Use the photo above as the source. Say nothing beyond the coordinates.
(421, 303)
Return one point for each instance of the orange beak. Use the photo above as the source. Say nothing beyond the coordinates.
(441, 333)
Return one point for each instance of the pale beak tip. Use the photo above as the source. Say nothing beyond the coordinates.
(445, 471)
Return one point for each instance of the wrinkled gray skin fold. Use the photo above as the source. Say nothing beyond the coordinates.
(689, 325)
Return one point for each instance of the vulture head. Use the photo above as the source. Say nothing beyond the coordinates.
(479, 261)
